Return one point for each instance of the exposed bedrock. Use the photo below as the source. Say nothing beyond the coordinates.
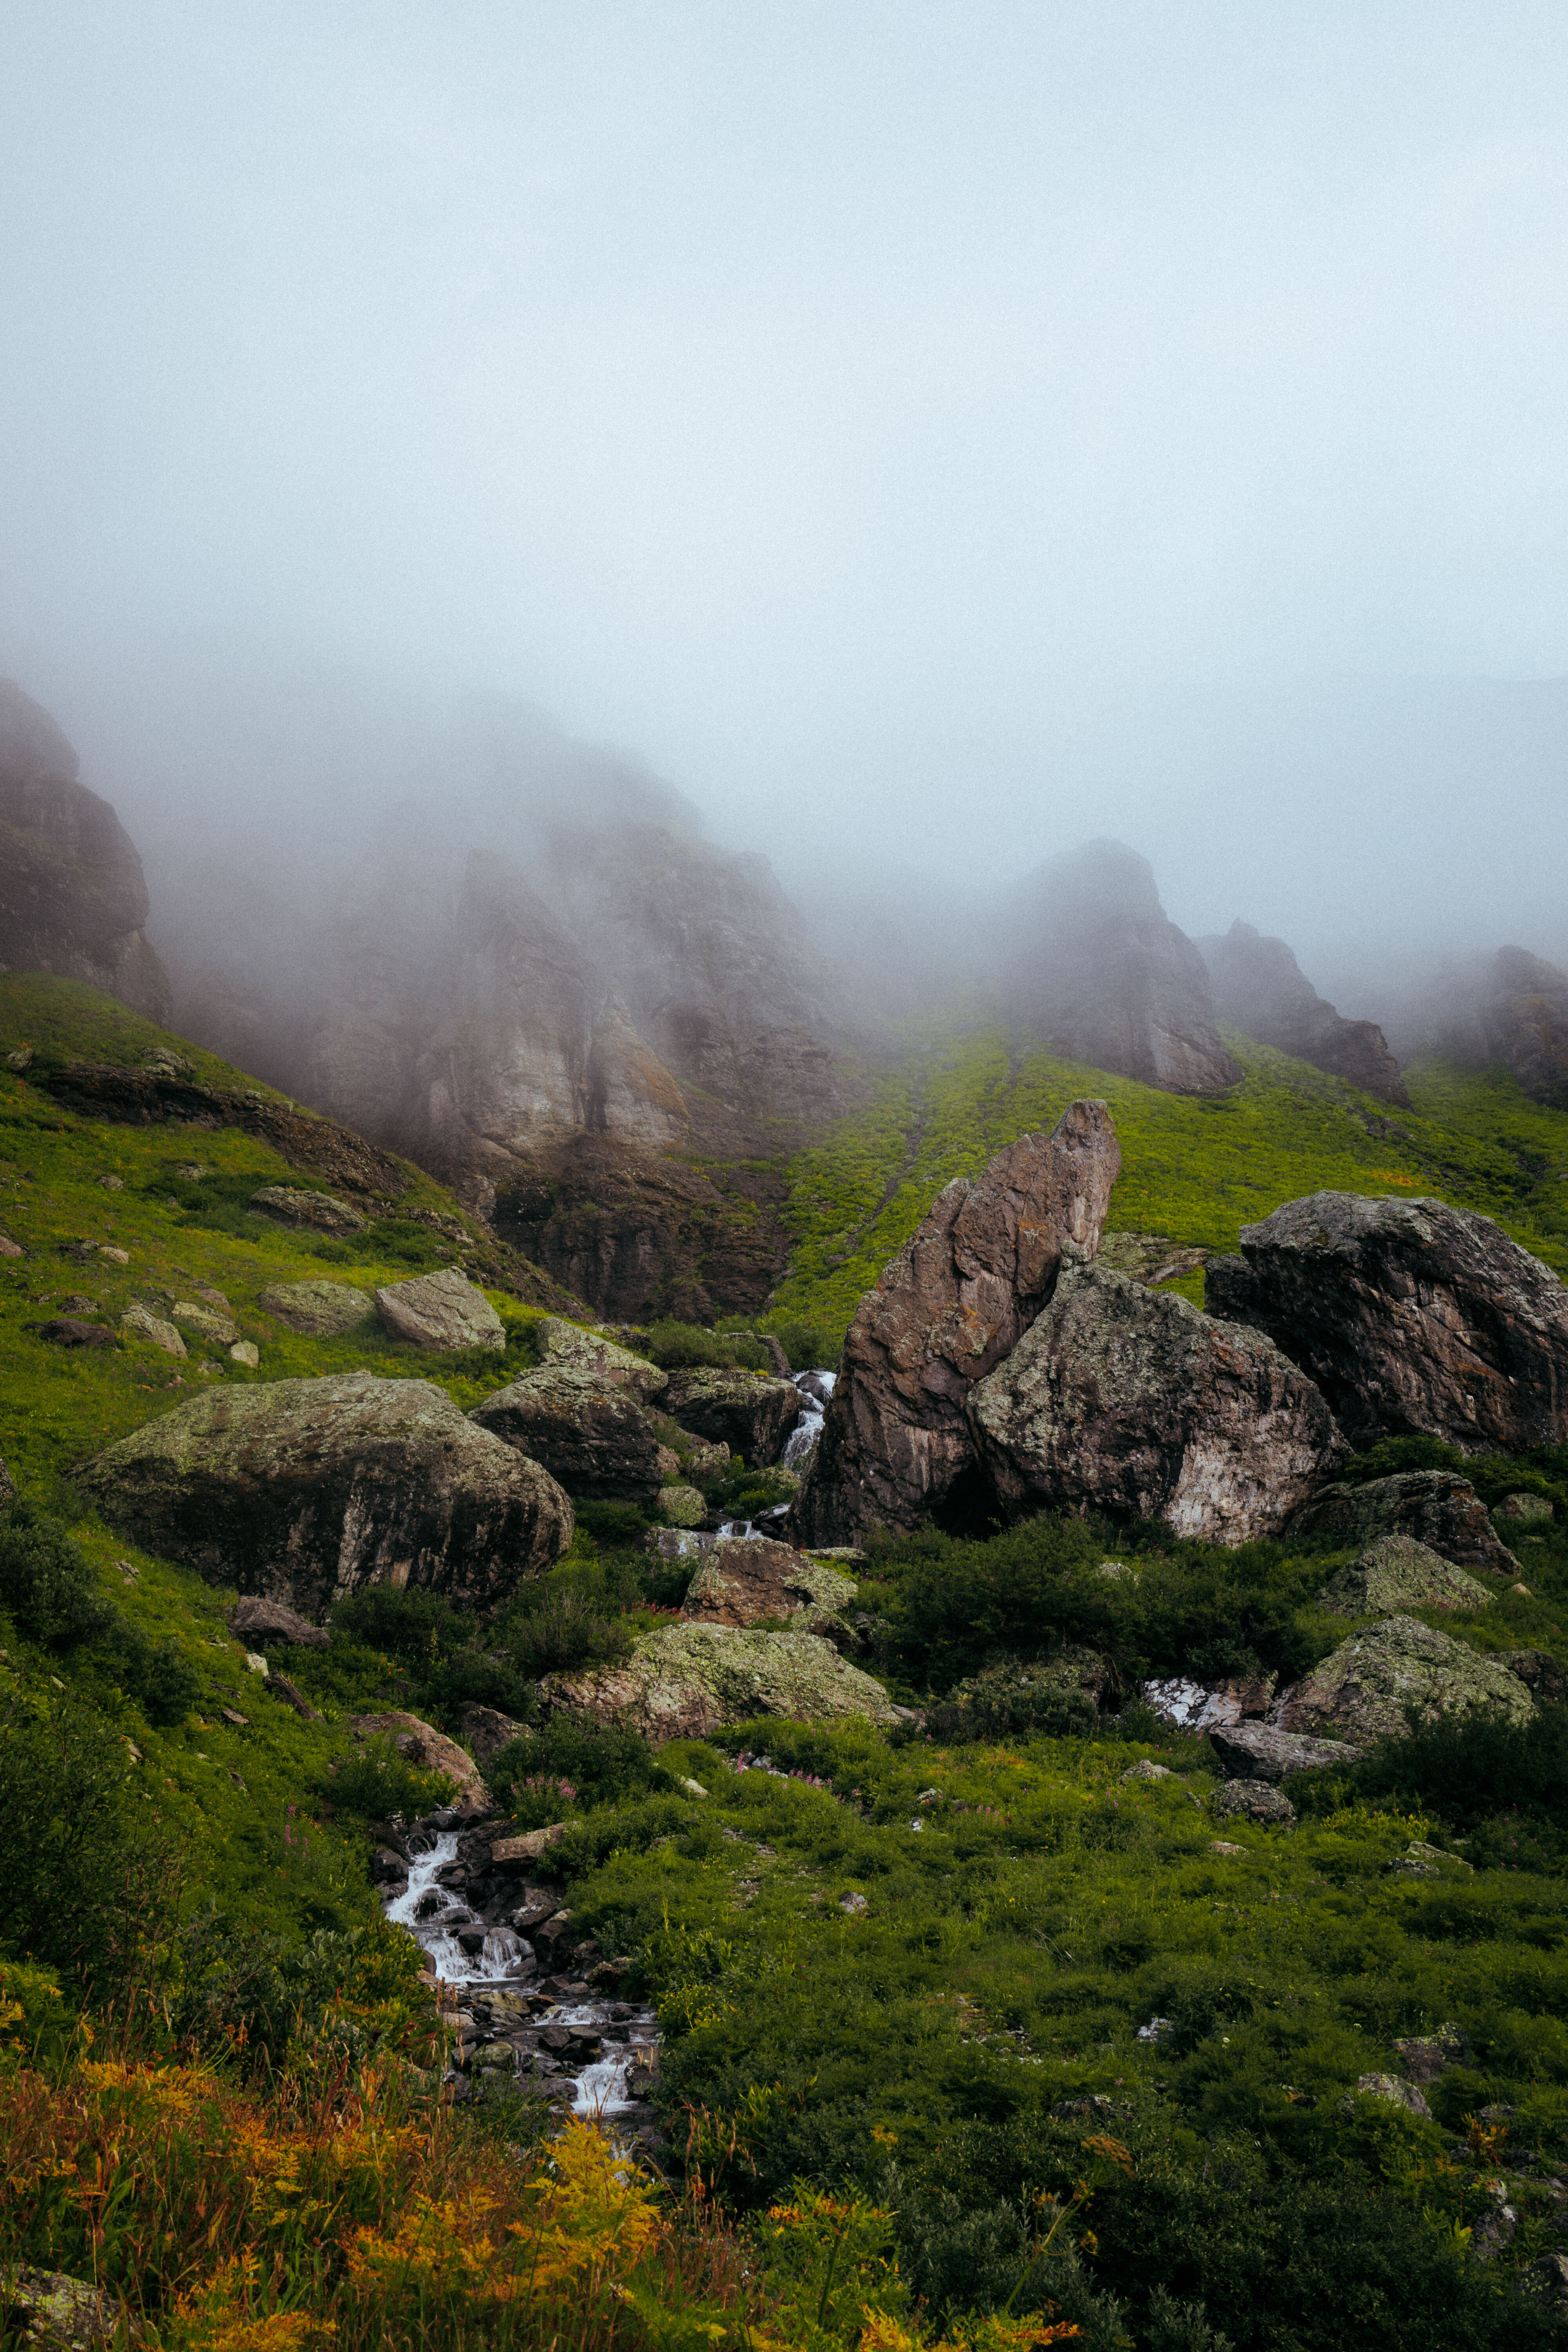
(958, 1297)
(303, 1490)
(1095, 966)
(1258, 986)
(72, 898)
(1130, 1400)
(1434, 1508)
(1410, 1316)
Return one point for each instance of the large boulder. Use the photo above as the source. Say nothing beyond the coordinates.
(961, 1294)
(750, 1414)
(1363, 1690)
(441, 1310)
(305, 1490)
(744, 1580)
(1436, 1509)
(72, 897)
(567, 1346)
(257, 1623)
(591, 1436)
(1258, 986)
(317, 1310)
(427, 1749)
(1261, 1752)
(1411, 1317)
(1130, 1401)
(685, 1681)
(1096, 967)
(1395, 1572)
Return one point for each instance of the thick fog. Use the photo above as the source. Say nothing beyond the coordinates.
(916, 436)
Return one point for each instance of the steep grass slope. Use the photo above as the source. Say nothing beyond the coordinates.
(1194, 1168)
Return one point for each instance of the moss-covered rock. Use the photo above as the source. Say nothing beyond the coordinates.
(590, 1433)
(685, 1681)
(440, 1311)
(317, 1310)
(322, 1212)
(1361, 1690)
(744, 1579)
(567, 1346)
(681, 1507)
(1396, 1573)
(303, 1490)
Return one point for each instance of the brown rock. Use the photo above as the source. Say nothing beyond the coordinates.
(69, 1332)
(279, 1687)
(486, 1731)
(1257, 1752)
(1436, 1508)
(514, 1855)
(956, 1300)
(746, 1579)
(286, 1204)
(1130, 1400)
(1411, 1316)
(426, 1748)
(751, 1414)
(1260, 987)
(1539, 1670)
(255, 1621)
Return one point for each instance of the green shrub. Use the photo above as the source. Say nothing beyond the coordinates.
(413, 1624)
(676, 1346)
(1465, 1770)
(47, 1583)
(566, 1632)
(810, 1347)
(605, 1765)
(378, 1783)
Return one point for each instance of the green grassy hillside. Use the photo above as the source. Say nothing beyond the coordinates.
(1194, 1168)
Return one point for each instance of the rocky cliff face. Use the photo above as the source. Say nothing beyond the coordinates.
(1096, 967)
(1258, 986)
(72, 897)
(1524, 1024)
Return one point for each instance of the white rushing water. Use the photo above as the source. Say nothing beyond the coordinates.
(439, 1917)
(816, 1388)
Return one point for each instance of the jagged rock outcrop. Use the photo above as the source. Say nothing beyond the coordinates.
(1396, 1573)
(303, 1490)
(1259, 987)
(1410, 1316)
(592, 1436)
(956, 1300)
(749, 1412)
(1096, 967)
(1435, 1508)
(1363, 1690)
(72, 897)
(1130, 1400)
(685, 1681)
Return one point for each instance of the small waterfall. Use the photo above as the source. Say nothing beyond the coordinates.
(816, 1388)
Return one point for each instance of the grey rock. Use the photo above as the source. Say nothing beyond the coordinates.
(1130, 1401)
(1548, 2278)
(684, 1681)
(305, 1490)
(486, 1731)
(1396, 1573)
(1253, 1801)
(46, 2311)
(750, 1414)
(1259, 987)
(1364, 1689)
(206, 1322)
(1524, 1510)
(1539, 1670)
(1411, 1316)
(1391, 2090)
(1095, 966)
(139, 1322)
(567, 1346)
(1260, 1751)
(681, 1507)
(440, 1311)
(322, 1212)
(745, 1580)
(895, 1437)
(1436, 1508)
(1423, 2056)
(1420, 1860)
(317, 1310)
(1147, 1769)
(256, 1622)
(589, 1433)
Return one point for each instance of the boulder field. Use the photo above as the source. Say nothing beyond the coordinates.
(300, 1491)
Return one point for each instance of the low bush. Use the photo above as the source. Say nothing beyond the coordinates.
(378, 1783)
(676, 1346)
(605, 1765)
(47, 1583)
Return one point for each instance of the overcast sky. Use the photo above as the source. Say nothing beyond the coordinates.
(926, 434)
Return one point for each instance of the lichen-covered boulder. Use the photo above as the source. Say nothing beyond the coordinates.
(1260, 1751)
(139, 1322)
(207, 1322)
(322, 1212)
(439, 1311)
(486, 1731)
(305, 1490)
(1252, 1801)
(317, 1310)
(1396, 1573)
(46, 2311)
(568, 1347)
(589, 1433)
(256, 1622)
(954, 1302)
(681, 1507)
(1362, 1689)
(1435, 1508)
(685, 1681)
(1524, 1510)
(1131, 1401)
(429, 1750)
(1391, 2091)
(743, 1579)
(750, 1414)
(1410, 1316)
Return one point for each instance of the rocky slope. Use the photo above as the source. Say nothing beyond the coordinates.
(72, 897)
(1259, 987)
